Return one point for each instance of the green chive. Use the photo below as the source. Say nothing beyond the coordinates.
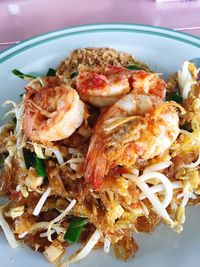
(74, 229)
(74, 74)
(133, 67)
(29, 158)
(51, 72)
(40, 167)
(176, 97)
(186, 127)
(22, 75)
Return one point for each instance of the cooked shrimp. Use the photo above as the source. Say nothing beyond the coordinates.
(52, 112)
(143, 82)
(135, 127)
(104, 86)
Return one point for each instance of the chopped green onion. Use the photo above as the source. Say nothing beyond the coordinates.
(186, 127)
(74, 74)
(133, 67)
(22, 75)
(176, 97)
(74, 229)
(51, 72)
(29, 158)
(40, 167)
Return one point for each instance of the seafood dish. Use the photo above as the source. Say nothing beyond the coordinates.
(96, 152)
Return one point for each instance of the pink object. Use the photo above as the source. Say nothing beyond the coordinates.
(21, 19)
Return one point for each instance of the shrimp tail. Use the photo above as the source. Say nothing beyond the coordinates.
(96, 164)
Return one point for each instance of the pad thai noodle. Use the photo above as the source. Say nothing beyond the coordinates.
(97, 151)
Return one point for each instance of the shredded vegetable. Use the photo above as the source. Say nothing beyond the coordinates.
(158, 206)
(159, 188)
(41, 202)
(157, 167)
(85, 250)
(74, 229)
(59, 218)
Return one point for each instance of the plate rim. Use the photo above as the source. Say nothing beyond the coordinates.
(97, 27)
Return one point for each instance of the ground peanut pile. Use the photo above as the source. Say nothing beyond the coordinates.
(94, 57)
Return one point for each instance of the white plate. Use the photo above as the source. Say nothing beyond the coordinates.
(164, 50)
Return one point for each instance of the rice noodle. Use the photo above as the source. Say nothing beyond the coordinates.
(157, 167)
(41, 202)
